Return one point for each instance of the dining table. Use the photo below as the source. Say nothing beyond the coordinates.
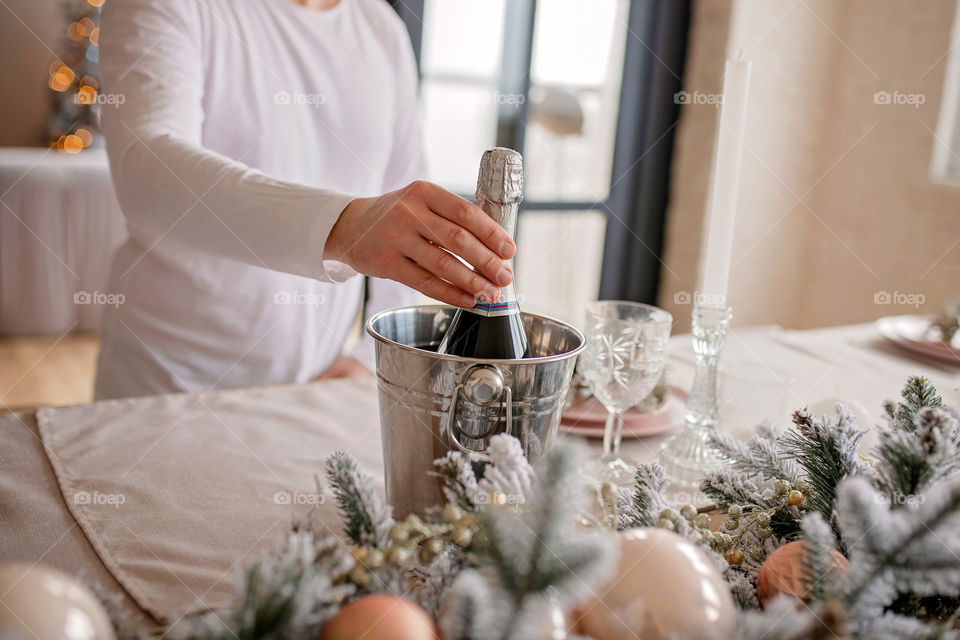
(159, 502)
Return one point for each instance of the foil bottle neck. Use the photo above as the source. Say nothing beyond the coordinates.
(499, 191)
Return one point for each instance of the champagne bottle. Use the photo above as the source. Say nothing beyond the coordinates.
(493, 329)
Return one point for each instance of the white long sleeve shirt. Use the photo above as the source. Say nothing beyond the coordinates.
(237, 131)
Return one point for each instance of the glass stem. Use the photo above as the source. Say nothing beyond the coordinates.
(612, 434)
(709, 330)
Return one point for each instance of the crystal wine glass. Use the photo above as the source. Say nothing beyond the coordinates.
(622, 362)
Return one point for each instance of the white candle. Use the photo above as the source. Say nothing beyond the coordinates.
(717, 244)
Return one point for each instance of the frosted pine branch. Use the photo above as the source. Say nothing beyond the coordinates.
(648, 499)
(826, 449)
(915, 549)
(532, 555)
(730, 487)
(760, 456)
(819, 543)
(289, 593)
(367, 520)
(472, 611)
(781, 619)
(459, 478)
(509, 473)
(917, 394)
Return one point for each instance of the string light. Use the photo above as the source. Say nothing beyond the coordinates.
(75, 124)
(62, 78)
(72, 143)
(86, 95)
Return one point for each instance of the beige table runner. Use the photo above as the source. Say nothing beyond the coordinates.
(177, 493)
(35, 525)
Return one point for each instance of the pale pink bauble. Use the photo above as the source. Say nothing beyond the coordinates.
(40, 603)
(664, 585)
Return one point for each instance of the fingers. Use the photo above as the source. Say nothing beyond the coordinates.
(447, 267)
(470, 217)
(416, 277)
(458, 240)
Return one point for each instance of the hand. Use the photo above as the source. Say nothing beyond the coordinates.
(402, 236)
(345, 367)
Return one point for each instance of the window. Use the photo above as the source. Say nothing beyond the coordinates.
(571, 85)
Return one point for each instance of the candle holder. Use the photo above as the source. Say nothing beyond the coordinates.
(687, 455)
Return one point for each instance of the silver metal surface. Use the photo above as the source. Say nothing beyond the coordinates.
(483, 384)
(432, 403)
(501, 176)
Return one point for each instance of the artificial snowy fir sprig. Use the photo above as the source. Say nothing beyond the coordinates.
(914, 549)
(458, 473)
(474, 480)
(918, 393)
(366, 519)
(760, 456)
(643, 507)
(289, 593)
(530, 559)
(826, 448)
(509, 472)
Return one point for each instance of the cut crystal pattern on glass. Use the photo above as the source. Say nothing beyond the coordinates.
(622, 363)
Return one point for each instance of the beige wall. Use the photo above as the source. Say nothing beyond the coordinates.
(30, 37)
(835, 199)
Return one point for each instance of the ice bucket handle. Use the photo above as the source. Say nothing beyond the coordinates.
(482, 385)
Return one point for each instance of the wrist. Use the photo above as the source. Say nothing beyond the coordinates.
(335, 246)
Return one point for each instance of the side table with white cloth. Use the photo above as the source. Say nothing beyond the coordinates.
(165, 498)
(59, 226)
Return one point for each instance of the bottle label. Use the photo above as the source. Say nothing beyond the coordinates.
(496, 308)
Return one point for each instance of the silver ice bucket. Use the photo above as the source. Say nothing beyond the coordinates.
(432, 403)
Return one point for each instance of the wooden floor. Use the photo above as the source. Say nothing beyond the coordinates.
(47, 370)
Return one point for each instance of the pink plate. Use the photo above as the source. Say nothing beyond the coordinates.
(587, 416)
(913, 334)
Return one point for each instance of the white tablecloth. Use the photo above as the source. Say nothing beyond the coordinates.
(59, 225)
(199, 474)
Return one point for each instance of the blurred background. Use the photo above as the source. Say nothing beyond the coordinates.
(847, 210)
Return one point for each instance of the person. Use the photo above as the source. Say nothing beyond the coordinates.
(264, 154)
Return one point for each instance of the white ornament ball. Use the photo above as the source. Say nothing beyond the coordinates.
(40, 603)
(665, 586)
